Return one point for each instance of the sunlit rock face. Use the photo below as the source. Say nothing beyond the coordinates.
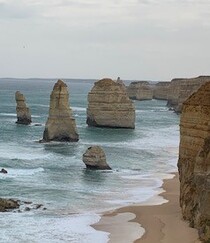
(194, 161)
(110, 106)
(95, 158)
(23, 112)
(61, 125)
(181, 89)
(140, 90)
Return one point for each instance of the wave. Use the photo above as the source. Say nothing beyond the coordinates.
(14, 115)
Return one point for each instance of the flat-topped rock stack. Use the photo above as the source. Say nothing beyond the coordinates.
(23, 112)
(161, 90)
(140, 90)
(194, 161)
(181, 89)
(110, 106)
(61, 125)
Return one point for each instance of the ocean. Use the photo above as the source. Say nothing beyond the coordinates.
(54, 175)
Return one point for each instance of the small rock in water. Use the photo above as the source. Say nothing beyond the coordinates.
(95, 158)
(3, 171)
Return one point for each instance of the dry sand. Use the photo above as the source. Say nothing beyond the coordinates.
(162, 223)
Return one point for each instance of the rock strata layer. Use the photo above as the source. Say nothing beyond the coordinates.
(95, 158)
(181, 89)
(110, 106)
(161, 90)
(194, 161)
(61, 125)
(23, 112)
(140, 90)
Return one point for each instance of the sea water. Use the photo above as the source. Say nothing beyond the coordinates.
(54, 175)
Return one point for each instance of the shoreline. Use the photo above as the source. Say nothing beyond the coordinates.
(150, 223)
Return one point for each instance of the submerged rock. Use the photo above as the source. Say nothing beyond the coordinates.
(110, 106)
(95, 158)
(194, 161)
(61, 125)
(23, 112)
(8, 204)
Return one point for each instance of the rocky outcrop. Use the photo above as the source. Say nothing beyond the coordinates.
(161, 90)
(23, 112)
(181, 89)
(110, 106)
(140, 90)
(95, 158)
(8, 204)
(194, 161)
(61, 125)
(3, 171)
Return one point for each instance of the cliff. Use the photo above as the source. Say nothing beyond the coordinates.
(60, 125)
(161, 90)
(110, 106)
(194, 161)
(141, 90)
(181, 89)
(23, 112)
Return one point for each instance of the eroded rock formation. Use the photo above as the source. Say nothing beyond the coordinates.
(181, 89)
(95, 158)
(23, 112)
(161, 90)
(194, 161)
(61, 125)
(140, 90)
(8, 204)
(110, 106)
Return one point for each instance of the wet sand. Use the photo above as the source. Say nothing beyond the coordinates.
(161, 223)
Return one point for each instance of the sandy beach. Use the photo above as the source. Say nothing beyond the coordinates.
(161, 223)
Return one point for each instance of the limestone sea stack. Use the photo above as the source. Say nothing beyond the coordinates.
(95, 158)
(110, 106)
(194, 161)
(140, 90)
(61, 125)
(23, 112)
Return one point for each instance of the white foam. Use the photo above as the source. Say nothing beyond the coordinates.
(50, 228)
(75, 108)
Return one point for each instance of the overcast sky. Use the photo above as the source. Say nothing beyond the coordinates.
(133, 39)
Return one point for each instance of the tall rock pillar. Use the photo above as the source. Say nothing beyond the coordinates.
(23, 112)
(61, 125)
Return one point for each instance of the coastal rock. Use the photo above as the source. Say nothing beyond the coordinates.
(8, 204)
(140, 90)
(110, 106)
(194, 161)
(95, 158)
(181, 89)
(61, 125)
(3, 171)
(23, 112)
(161, 90)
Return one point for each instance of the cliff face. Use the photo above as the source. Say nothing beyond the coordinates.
(109, 106)
(140, 90)
(181, 89)
(60, 125)
(194, 161)
(23, 112)
(161, 90)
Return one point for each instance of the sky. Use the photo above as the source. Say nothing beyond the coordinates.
(133, 39)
